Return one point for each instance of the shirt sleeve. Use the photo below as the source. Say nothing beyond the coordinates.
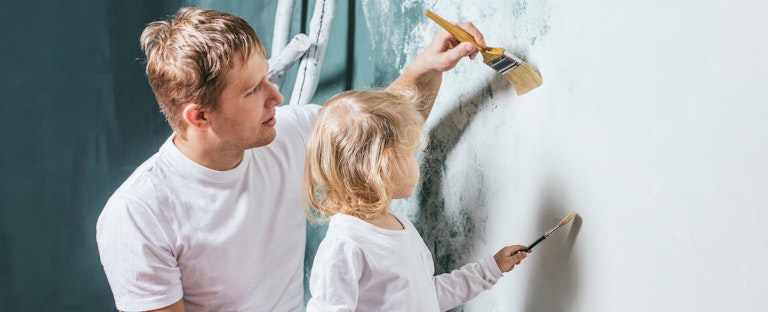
(301, 116)
(333, 282)
(139, 264)
(465, 283)
(294, 123)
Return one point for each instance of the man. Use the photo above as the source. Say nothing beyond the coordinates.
(214, 220)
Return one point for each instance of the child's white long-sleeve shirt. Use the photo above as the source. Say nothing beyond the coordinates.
(361, 267)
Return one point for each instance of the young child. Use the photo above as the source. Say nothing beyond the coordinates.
(362, 154)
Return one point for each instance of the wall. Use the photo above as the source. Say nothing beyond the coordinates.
(649, 124)
(78, 118)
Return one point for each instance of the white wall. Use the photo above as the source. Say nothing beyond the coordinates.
(652, 124)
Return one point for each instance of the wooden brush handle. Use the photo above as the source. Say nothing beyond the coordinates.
(488, 53)
(454, 30)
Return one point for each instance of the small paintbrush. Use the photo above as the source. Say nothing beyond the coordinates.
(522, 76)
(565, 220)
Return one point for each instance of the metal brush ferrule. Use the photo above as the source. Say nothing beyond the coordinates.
(504, 64)
(551, 231)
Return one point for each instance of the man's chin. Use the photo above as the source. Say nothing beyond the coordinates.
(264, 141)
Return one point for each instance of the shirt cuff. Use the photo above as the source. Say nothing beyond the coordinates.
(491, 269)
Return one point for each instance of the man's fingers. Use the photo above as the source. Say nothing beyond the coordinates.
(472, 30)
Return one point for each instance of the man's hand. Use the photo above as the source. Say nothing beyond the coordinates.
(425, 73)
(445, 51)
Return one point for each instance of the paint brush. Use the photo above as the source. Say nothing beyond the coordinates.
(521, 75)
(565, 220)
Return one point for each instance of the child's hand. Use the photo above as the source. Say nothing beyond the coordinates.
(510, 256)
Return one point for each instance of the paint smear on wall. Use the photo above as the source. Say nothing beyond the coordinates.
(470, 166)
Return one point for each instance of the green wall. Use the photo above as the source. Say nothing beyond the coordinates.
(81, 117)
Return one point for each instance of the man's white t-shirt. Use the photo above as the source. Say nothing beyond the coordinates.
(224, 240)
(361, 267)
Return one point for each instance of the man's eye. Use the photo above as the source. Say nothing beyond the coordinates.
(254, 90)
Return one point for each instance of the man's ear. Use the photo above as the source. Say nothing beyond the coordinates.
(195, 115)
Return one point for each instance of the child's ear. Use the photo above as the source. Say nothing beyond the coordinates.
(385, 163)
(195, 115)
(390, 165)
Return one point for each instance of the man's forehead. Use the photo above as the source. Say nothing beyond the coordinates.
(244, 73)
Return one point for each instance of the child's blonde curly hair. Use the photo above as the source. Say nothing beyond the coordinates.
(353, 155)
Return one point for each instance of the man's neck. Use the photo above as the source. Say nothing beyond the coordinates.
(209, 155)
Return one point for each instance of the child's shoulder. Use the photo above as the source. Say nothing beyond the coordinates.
(343, 226)
(346, 226)
(343, 236)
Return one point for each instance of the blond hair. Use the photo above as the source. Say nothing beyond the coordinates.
(355, 149)
(189, 57)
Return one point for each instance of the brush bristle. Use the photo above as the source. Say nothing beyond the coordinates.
(521, 75)
(567, 218)
(524, 78)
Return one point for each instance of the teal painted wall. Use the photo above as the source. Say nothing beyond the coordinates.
(80, 116)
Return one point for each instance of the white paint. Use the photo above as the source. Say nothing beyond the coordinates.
(286, 57)
(308, 74)
(651, 123)
(280, 34)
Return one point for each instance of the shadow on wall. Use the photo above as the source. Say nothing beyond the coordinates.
(451, 235)
(554, 276)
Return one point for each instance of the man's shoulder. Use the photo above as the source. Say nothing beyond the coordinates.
(301, 114)
(294, 122)
(147, 182)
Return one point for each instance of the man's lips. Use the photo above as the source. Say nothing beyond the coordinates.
(270, 122)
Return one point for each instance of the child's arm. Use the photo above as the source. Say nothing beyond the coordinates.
(465, 283)
(333, 281)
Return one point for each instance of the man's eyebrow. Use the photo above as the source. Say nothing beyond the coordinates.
(250, 86)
